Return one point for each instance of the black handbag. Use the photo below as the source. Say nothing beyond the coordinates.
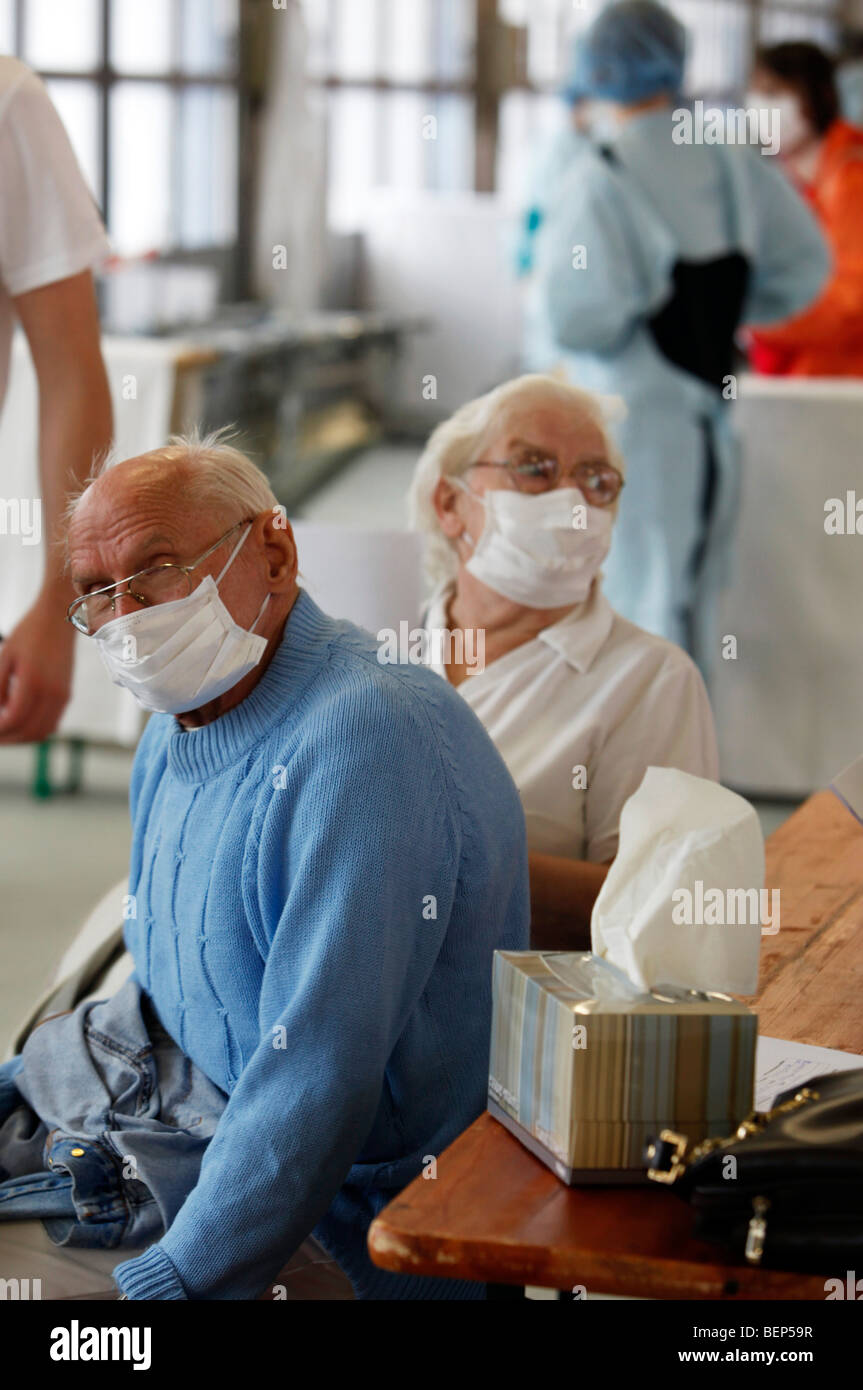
(785, 1191)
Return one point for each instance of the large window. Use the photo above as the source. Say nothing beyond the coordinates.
(148, 91)
(384, 66)
(397, 77)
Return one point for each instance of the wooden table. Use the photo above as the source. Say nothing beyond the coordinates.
(497, 1214)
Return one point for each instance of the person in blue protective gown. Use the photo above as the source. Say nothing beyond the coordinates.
(548, 168)
(649, 254)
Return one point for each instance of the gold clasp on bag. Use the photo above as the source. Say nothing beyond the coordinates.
(753, 1124)
(678, 1165)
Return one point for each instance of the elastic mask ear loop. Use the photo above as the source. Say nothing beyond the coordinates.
(267, 598)
(232, 557)
(460, 482)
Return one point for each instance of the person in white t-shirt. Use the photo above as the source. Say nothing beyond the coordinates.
(518, 492)
(51, 237)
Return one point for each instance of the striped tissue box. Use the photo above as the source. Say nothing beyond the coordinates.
(585, 1068)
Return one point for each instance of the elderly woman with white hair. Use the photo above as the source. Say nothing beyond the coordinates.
(518, 493)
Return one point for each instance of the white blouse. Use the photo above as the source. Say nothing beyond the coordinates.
(579, 713)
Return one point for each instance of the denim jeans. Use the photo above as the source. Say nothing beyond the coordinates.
(103, 1125)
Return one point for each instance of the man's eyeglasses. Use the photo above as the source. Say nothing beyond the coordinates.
(599, 482)
(158, 584)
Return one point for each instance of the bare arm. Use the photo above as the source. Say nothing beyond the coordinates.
(562, 894)
(75, 423)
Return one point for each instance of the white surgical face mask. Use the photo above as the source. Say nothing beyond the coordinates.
(537, 549)
(603, 122)
(794, 129)
(180, 655)
(788, 127)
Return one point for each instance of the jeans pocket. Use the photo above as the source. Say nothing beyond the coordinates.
(100, 1211)
(129, 1078)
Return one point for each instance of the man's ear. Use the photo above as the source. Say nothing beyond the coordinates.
(444, 500)
(280, 548)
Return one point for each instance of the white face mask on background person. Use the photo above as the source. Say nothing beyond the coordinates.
(603, 122)
(179, 655)
(794, 128)
(530, 551)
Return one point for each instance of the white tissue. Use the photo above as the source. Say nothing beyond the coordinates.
(678, 832)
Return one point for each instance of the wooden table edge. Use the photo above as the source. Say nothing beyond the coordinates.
(394, 1247)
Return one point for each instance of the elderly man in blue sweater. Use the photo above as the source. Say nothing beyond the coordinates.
(326, 852)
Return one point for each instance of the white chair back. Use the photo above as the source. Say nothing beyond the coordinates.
(372, 578)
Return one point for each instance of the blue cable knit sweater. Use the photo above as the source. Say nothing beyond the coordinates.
(320, 878)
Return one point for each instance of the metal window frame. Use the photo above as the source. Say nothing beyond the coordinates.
(105, 77)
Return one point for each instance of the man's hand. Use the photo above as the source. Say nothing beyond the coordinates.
(36, 671)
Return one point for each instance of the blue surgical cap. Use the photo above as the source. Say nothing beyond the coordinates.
(632, 51)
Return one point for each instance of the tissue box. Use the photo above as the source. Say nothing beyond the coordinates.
(585, 1068)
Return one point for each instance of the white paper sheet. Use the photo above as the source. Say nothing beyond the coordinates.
(780, 1064)
(848, 786)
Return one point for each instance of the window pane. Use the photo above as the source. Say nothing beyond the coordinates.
(352, 131)
(140, 117)
(550, 26)
(402, 140)
(514, 11)
(407, 49)
(64, 37)
(7, 27)
(718, 46)
(78, 105)
(318, 26)
(545, 42)
(208, 167)
(208, 35)
(726, 68)
(452, 153)
(779, 25)
(527, 125)
(405, 148)
(355, 46)
(455, 39)
(141, 35)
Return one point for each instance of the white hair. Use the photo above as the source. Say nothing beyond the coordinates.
(216, 475)
(452, 447)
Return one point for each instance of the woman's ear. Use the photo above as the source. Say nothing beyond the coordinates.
(444, 499)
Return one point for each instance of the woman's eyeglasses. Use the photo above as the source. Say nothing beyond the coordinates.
(599, 482)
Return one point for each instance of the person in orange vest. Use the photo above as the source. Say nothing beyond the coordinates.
(823, 156)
